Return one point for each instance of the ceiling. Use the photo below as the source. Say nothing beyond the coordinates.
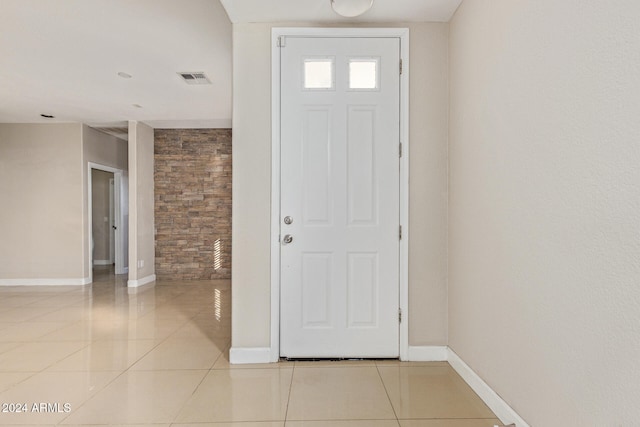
(242, 11)
(62, 58)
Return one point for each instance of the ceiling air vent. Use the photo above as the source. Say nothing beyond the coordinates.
(195, 78)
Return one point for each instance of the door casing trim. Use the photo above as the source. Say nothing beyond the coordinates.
(120, 242)
(403, 35)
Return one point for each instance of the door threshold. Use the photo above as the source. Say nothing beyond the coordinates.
(337, 359)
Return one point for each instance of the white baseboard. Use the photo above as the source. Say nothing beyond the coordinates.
(141, 282)
(427, 353)
(123, 271)
(244, 355)
(499, 407)
(45, 282)
(102, 262)
(135, 290)
(503, 411)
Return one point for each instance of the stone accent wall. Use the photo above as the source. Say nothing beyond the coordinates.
(193, 203)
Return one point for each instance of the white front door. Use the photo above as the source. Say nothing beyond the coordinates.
(339, 186)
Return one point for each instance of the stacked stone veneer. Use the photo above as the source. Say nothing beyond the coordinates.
(193, 203)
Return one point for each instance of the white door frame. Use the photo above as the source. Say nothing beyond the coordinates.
(112, 219)
(276, 34)
(120, 241)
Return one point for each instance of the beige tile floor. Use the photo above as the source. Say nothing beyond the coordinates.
(159, 356)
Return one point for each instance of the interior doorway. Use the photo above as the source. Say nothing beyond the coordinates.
(107, 219)
(102, 222)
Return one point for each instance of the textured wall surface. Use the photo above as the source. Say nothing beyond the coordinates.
(193, 203)
(544, 235)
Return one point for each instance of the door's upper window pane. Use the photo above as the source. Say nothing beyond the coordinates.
(318, 73)
(363, 73)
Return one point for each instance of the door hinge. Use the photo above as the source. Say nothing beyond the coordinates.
(400, 150)
(400, 65)
(400, 232)
(281, 41)
(400, 315)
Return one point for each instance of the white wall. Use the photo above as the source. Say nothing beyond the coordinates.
(544, 245)
(41, 204)
(428, 131)
(252, 174)
(43, 178)
(141, 205)
(251, 187)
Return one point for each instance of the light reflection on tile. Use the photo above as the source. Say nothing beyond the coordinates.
(36, 356)
(105, 356)
(431, 392)
(54, 390)
(159, 355)
(239, 395)
(139, 397)
(9, 379)
(179, 353)
(28, 331)
(323, 393)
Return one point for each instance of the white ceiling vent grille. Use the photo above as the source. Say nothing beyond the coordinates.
(195, 78)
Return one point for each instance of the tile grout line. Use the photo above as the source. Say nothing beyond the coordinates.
(95, 394)
(117, 376)
(179, 411)
(387, 393)
(286, 412)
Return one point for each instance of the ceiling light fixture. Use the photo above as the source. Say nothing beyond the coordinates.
(124, 75)
(351, 8)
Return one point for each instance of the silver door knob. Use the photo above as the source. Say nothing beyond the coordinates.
(288, 238)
